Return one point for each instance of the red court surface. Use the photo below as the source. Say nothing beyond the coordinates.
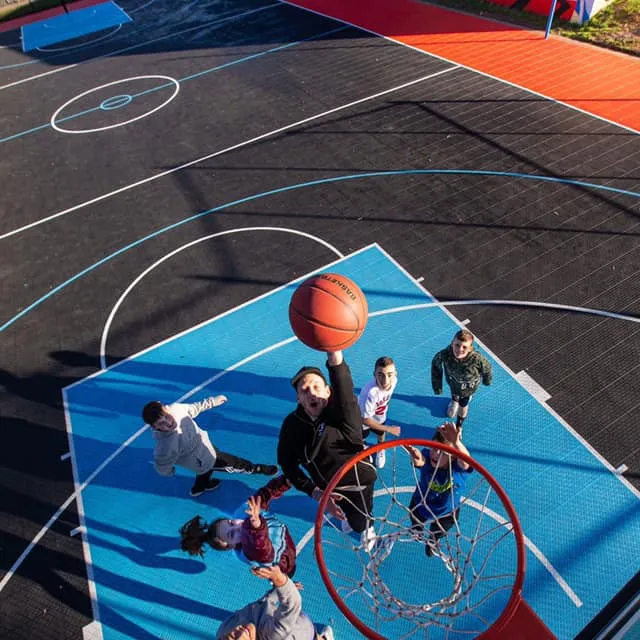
(601, 82)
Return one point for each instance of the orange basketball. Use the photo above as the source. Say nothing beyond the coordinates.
(328, 312)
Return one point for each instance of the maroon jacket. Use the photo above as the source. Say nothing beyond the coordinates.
(271, 542)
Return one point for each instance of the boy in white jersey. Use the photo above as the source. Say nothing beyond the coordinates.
(374, 402)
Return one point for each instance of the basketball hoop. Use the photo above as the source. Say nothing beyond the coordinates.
(467, 584)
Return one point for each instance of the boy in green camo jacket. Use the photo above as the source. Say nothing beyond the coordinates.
(464, 369)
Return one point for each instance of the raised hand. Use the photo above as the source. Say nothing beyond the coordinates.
(273, 573)
(417, 458)
(332, 507)
(394, 430)
(449, 432)
(254, 507)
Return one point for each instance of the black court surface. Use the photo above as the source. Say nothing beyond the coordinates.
(283, 137)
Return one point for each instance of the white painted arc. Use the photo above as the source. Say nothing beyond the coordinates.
(509, 303)
(127, 291)
(82, 486)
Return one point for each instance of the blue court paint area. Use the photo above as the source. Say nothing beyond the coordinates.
(74, 24)
(582, 523)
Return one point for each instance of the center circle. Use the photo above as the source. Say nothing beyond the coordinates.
(114, 102)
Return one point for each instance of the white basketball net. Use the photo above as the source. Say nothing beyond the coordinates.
(400, 592)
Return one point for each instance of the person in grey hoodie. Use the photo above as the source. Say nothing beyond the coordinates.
(180, 441)
(277, 615)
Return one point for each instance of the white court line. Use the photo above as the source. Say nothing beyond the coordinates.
(93, 630)
(509, 303)
(239, 145)
(534, 549)
(482, 73)
(204, 25)
(107, 325)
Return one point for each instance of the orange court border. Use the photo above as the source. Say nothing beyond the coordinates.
(598, 81)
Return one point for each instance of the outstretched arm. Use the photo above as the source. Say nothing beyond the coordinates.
(386, 428)
(273, 490)
(436, 374)
(343, 401)
(256, 544)
(196, 408)
(487, 371)
(281, 624)
(417, 459)
(451, 434)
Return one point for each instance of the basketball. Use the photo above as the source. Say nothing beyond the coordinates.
(328, 312)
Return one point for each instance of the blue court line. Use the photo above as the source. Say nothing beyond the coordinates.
(216, 22)
(302, 185)
(180, 80)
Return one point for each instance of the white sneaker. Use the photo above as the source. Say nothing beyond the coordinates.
(345, 526)
(452, 409)
(381, 459)
(383, 548)
(368, 539)
(325, 632)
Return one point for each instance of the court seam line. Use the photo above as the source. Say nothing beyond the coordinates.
(463, 66)
(594, 452)
(309, 183)
(218, 20)
(234, 147)
(594, 297)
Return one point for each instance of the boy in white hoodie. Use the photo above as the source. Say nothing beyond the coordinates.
(180, 441)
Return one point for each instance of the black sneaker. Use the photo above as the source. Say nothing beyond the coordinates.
(265, 469)
(212, 483)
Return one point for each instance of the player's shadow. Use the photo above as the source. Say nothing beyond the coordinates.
(136, 590)
(145, 549)
(132, 470)
(230, 499)
(435, 405)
